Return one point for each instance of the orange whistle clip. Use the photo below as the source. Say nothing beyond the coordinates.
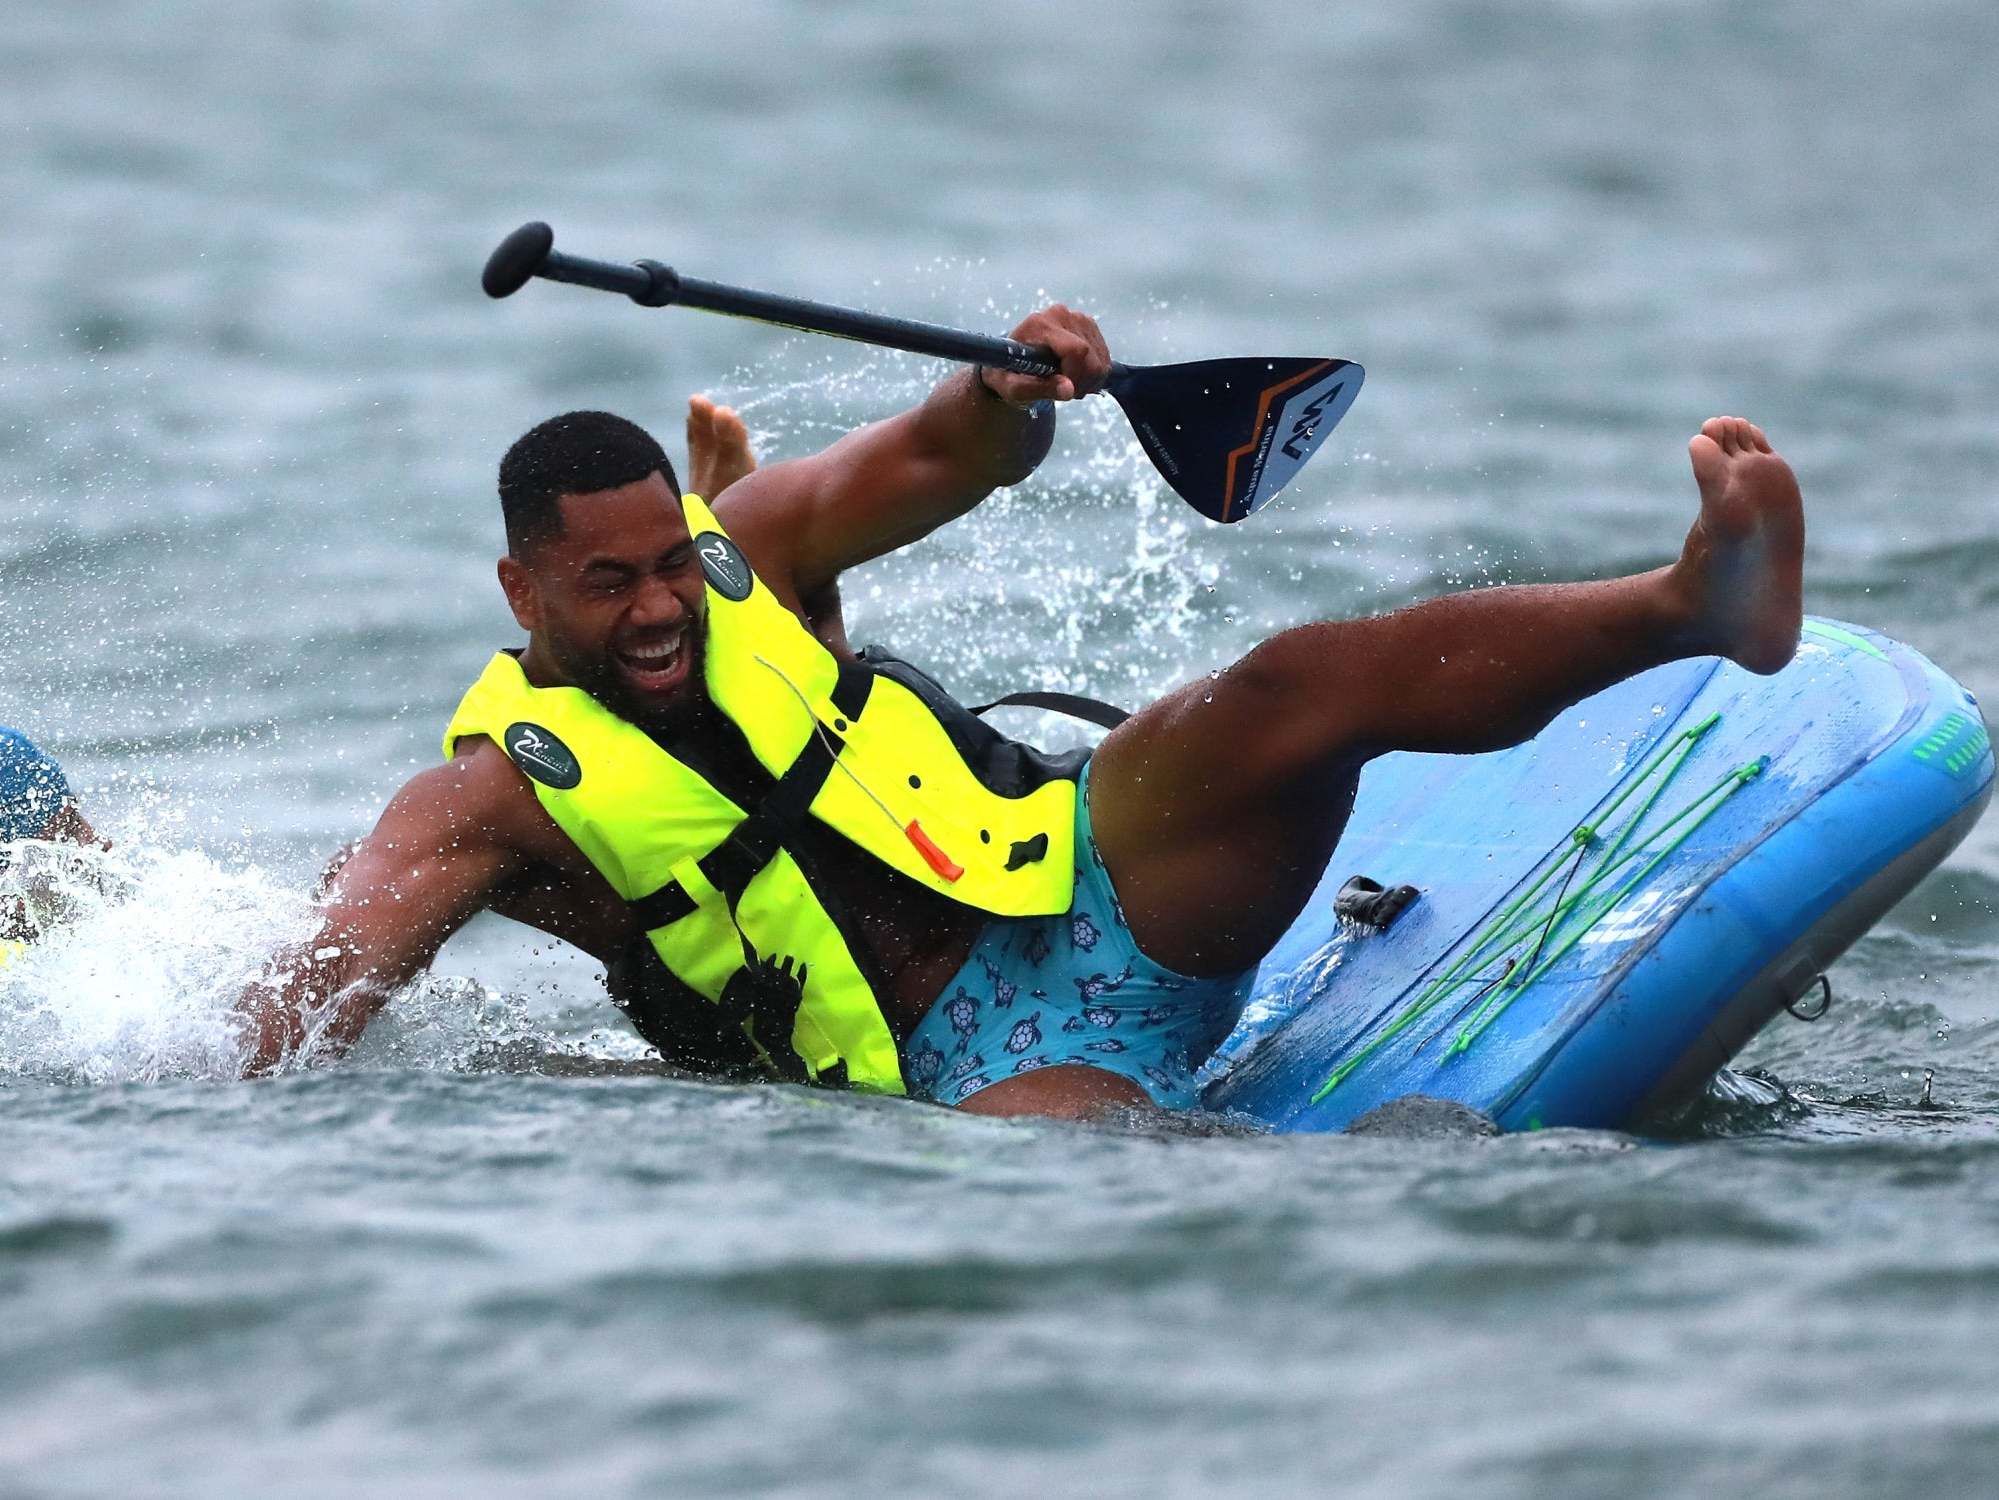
(946, 867)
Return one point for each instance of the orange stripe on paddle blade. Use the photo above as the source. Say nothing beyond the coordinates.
(1263, 410)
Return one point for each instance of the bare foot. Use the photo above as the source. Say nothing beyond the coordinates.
(1743, 566)
(718, 448)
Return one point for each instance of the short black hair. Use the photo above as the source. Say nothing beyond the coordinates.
(577, 453)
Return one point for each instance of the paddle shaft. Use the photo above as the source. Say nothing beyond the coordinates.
(1226, 434)
(651, 284)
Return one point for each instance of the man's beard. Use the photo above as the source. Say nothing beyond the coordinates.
(597, 674)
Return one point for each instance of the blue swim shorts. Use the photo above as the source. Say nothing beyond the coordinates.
(1041, 991)
(32, 788)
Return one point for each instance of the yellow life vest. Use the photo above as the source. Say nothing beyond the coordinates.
(714, 876)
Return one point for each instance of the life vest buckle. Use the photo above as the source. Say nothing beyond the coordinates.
(1027, 851)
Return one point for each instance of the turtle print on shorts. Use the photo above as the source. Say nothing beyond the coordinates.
(962, 1011)
(1003, 988)
(1099, 1002)
(924, 1065)
(1099, 985)
(970, 1065)
(1024, 1034)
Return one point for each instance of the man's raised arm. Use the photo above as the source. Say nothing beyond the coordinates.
(805, 521)
(441, 849)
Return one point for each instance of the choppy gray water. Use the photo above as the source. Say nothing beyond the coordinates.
(250, 404)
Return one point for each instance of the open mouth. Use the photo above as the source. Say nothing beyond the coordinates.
(655, 666)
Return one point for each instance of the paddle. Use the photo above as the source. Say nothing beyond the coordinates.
(1227, 434)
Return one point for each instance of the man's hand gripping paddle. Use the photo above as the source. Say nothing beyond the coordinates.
(1227, 434)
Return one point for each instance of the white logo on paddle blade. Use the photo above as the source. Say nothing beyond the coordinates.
(1295, 429)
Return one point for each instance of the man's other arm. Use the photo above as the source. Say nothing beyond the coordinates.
(441, 848)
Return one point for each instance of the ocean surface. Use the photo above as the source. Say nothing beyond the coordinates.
(251, 404)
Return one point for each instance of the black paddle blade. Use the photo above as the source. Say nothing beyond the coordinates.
(1230, 433)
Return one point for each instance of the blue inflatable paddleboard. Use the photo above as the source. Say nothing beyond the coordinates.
(1608, 912)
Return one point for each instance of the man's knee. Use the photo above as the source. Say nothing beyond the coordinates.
(1271, 729)
(1287, 711)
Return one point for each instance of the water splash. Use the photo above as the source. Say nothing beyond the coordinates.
(136, 980)
(147, 950)
(1094, 549)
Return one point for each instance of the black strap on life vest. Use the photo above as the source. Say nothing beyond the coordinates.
(763, 995)
(1075, 705)
(732, 864)
(663, 907)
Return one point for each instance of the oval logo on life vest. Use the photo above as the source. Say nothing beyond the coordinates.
(727, 570)
(542, 757)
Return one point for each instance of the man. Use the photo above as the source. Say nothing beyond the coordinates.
(35, 804)
(800, 861)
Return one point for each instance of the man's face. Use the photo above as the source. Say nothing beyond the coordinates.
(616, 604)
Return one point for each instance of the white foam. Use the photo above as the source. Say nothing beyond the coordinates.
(140, 977)
(139, 980)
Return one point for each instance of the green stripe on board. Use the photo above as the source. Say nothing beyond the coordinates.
(1957, 744)
(1845, 637)
(1545, 929)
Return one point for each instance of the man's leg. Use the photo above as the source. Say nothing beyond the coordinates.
(1217, 808)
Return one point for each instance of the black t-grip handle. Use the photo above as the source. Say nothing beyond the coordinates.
(519, 256)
